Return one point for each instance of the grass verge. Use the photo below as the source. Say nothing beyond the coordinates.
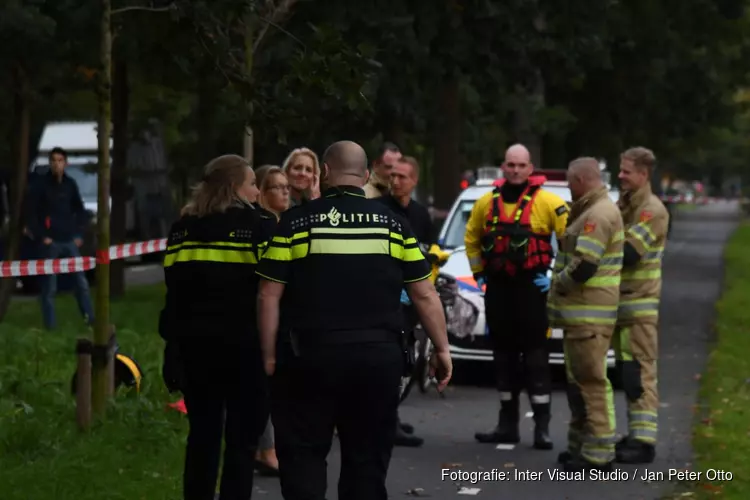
(721, 436)
(136, 453)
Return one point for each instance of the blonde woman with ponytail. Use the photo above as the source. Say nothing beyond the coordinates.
(212, 350)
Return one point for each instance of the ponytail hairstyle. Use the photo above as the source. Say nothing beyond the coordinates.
(217, 190)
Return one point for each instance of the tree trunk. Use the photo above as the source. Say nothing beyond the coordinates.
(247, 140)
(99, 385)
(205, 116)
(447, 147)
(22, 106)
(120, 184)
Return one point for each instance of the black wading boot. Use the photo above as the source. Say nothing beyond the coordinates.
(542, 417)
(507, 426)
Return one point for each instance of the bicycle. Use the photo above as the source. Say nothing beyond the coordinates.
(455, 308)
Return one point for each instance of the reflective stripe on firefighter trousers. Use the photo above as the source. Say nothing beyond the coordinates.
(595, 447)
(639, 374)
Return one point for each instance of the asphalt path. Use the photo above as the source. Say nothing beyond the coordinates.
(693, 270)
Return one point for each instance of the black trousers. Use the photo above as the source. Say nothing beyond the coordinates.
(226, 397)
(516, 313)
(352, 387)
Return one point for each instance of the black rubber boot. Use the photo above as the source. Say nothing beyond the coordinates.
(632, 451)
(542, 416)
(507, 426)
(564, 457)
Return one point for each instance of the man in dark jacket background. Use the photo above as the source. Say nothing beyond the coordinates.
(404, 177)
(56, 219)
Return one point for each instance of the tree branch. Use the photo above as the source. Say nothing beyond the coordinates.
(263, 31)
(273, 20)
(143, 7)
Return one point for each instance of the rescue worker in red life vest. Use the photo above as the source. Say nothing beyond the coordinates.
(508, 243)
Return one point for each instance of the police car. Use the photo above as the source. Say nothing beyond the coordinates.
(474, 345)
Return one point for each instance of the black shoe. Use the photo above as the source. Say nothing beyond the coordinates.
(564, 457)
(408, 440)
(580, 464)
(633, 451)
(407, 428)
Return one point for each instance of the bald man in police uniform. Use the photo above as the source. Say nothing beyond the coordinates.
(343, 260)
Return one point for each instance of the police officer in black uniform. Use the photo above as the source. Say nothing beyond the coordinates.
(342, 261)
(213, 351)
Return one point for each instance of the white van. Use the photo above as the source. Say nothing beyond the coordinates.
(476, 347)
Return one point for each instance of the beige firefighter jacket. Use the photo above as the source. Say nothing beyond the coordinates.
(594, 234)
(646, 221)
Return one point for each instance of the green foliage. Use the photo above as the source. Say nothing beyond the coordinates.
(720, 435)
(42, 454)
(308, 72)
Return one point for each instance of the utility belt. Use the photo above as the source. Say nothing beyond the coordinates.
(306, 342)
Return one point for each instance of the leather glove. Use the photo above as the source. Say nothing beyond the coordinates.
(172, 369)
(543, 282)
(405, 300)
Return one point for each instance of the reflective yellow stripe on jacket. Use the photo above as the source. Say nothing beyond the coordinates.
(645, 276)
(595, 301)
(344, 241)
(213, 251)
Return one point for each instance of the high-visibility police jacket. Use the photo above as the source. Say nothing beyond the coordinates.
(646, 221)
(209, 271)
(594, 236)
(344, 260)
(548, 214)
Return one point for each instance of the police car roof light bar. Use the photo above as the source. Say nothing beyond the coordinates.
(488, 175)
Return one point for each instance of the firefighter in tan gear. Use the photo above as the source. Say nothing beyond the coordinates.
(583, 301)
(635, 340)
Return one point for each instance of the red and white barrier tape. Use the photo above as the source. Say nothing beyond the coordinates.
(17, 268)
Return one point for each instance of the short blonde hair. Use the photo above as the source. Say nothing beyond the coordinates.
(641, 157)
(289, 162)
(217, 190)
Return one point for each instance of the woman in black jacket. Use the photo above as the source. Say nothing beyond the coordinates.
(209, 325)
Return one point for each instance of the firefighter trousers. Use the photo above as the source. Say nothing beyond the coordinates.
(591, 432)
(636, 349)
(516, 314)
